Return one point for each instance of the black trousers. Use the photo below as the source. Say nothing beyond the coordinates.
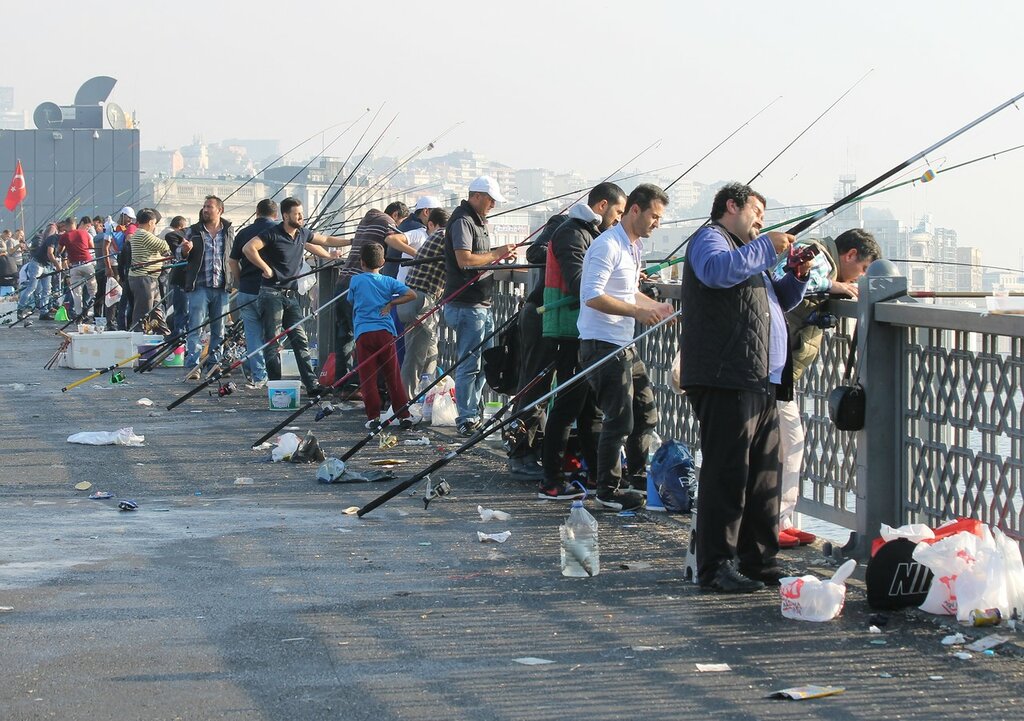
(535, 356)
(575, 403)
(626, 399)
(740, 476)
(344, 337)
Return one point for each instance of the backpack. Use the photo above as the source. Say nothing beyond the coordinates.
(674, 476)
(501, 363)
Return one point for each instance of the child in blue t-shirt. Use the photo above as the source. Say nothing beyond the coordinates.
(372, 297)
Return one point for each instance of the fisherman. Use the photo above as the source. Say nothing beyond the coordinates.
(149, 253)
(176, 277)
(77, 245)
(733, 347)
(248, 298)
(467, 245)
(278, 253)
(427, 281)
(611, 306)
(206, 247)
(42, 260)
(123, 230)
(562, 276)
(845, 260)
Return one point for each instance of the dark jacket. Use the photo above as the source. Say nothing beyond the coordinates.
(804, 338)
(194, 234)
(479, 292)
(562, 276)
(724, 332)
(393, 256)
(176, 276)
(537, 254)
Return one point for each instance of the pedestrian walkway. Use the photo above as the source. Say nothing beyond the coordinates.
(265, 601)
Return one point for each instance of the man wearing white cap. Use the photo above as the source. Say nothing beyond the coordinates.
(467, 245)
(416, 220)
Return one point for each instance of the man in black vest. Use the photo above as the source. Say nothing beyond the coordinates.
(733, 346)
(467, 245)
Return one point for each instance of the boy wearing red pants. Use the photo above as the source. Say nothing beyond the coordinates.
(372, 296)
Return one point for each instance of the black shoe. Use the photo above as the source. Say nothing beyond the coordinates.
(768, 575)
(524, 467)
(620, 500)
(468, 428)
(559, 492)
(46, 316)
(636, 483)
(728, 580)
(407, 424)
(318, 390)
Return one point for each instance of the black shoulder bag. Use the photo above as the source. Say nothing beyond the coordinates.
(846, 403)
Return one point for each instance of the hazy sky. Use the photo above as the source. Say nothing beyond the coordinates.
(575, 85)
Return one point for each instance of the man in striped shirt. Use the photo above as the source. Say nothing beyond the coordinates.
(148, 254)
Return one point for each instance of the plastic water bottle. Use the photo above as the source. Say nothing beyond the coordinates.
(580, 553)
(428, 402)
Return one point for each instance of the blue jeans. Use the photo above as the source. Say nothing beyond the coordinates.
(33, 269)
(252, 321)
(282, 309)
(471, 325)
(205, 303)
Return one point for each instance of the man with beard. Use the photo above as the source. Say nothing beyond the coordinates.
(278, 252)
(611, 305)
(562, 275)
(734, 349)
(206, 247)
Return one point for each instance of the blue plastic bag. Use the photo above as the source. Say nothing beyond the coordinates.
(674, 476)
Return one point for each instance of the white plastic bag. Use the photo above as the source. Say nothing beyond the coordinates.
(306, 282)
(444, 411)
(913, 532)
(286, 446)
(947, 558)
(983, 584)
(808, 598)
(122, 437)
(1014, 570)
(112, 293)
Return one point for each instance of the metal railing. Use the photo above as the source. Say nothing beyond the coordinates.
(945, 414)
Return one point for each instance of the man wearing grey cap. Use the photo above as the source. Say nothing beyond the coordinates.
(466, 246)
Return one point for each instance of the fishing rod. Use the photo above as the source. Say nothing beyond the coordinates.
(976, 266)
(379, 183)
(290, 150)
(329, 409)
(904, 183)
(221, 372)
(398, 193)
(723, 142)
(487, 430)
(490, 425)
(666, 260)
(176, 340)
(49, 298)
(860, 192)
(313, 213)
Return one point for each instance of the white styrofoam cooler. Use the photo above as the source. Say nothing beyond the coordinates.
(102, 350)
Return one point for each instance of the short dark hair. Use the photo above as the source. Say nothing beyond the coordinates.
(147, 214)
(178, 222)
(97, 219)
(86, 220)
(860, 240)
(737, 193)
(69, 221)
(606, 191)
(645, 194)
(267, 208)
(220, 203)
(438, 216)
(372, 255)
(288, 204)
(397, 207)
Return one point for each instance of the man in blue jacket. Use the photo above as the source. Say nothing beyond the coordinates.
(733, 347)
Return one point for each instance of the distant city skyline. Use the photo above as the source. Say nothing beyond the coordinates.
(579, 86)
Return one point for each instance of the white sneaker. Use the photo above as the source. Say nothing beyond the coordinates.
(373, 424)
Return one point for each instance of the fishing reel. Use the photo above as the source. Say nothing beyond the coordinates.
(513, 435)
(651, 290)
(324, 410)
(443, 488)
(799, 256)
(821, 319)
(225, 389)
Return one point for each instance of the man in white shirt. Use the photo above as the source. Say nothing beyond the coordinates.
(610, 304)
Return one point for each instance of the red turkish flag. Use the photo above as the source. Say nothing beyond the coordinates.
(16, 191)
